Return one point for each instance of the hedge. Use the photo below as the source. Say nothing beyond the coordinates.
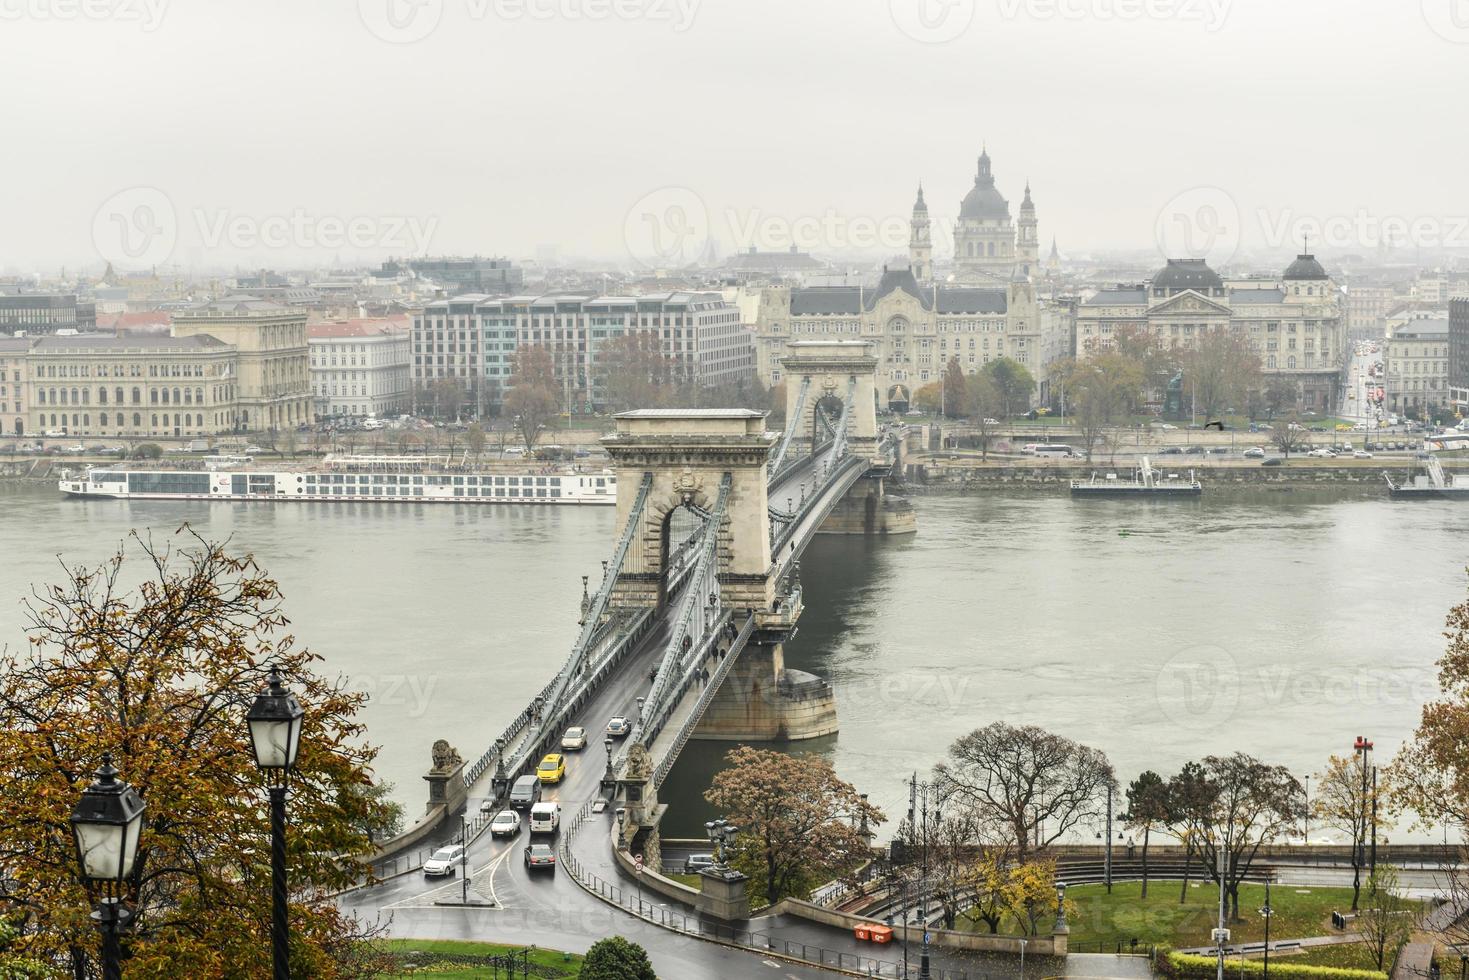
(1187, 966)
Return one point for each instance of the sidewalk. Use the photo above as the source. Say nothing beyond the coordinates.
(1413, 961)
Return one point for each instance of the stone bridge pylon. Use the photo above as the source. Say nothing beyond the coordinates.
(818, 376)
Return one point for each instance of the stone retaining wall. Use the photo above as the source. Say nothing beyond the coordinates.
(946, 938)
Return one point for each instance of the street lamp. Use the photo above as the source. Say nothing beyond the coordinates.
(106, 825)
(720, 833)
(275, 733)
(1265, 913)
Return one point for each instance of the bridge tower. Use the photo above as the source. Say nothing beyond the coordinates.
(687, 453)
(818, 375)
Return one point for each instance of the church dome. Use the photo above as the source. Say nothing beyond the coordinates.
(1187, 274)
(1305, 267)
(984, 202)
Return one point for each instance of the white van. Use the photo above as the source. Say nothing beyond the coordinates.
(545, 818)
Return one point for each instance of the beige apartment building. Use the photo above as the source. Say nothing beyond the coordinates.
(123, 386)
(13, 399)
(274, 380)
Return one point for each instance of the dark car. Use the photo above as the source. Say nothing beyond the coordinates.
(1195, 450)
(1170, 451)
(1273, 461)
(1218, 451)
(540, 856)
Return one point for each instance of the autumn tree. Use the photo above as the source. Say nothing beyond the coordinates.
(1389, 922)
(474, 438)
(1220, 369)
(159, 674)
(1013, 383)
(930, 398)
(534, 398)
(799, 824)
(1289, 435)
(616, 958)
(948, 841)
(1155, 360)
(1254, 804)
(1191, 795)
(1099, 392)
(1147, 809)
(1344, 801)
(1028, 895)
(1035, 785)
(983, 403)
(955, 400)
(1428, 782)
(448, 398)
(633, 371)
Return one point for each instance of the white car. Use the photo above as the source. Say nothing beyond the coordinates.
(618, 727)
(1255, 452)
(575, 738)
(444, 861)
(1361, 454)
(505, 824)
(991, 421)
(1322, 454)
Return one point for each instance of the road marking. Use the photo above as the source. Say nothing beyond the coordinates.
(416, 901)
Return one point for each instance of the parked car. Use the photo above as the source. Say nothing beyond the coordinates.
(552, 768)
(1161, 425)
(618, 727)
(505, 824)
(1194, 451)
(575, 738)
(695, 863)
(1170, 451)
(1218, 451)
(444, 861)
(1273, 461)
(540, 856)
(1254, 452)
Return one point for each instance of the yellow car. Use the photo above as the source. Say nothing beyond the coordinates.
(552, 768)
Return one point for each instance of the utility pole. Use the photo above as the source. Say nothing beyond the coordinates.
(1221, 865)
(1372, 860)
(1107, 868)
(1265, 914)
(1359, 858)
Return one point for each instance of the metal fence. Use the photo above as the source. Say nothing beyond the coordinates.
(691, 924)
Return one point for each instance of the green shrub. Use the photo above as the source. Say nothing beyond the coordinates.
(1188, 966)
(615, 958)
(147, 450)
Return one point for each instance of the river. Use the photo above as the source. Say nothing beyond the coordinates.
(1269, 623)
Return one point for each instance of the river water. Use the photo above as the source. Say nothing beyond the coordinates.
(1272, 623)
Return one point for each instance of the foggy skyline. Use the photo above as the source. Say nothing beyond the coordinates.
(286, 134)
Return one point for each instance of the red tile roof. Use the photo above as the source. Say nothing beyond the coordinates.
(358, 327)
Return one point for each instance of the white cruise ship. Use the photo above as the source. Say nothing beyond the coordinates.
(348, 479)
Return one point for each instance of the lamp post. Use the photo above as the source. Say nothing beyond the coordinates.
(275, 733)
(1361, 746)
(1022, 959)
(1265, 914)
(106, 825)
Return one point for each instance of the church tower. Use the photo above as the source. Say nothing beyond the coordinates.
(1028, 245)
(920, 241)
(984, 238)
(1053, 262)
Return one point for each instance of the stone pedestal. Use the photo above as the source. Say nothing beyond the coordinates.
(446, 779)
(869, 509)
(763, 700)
(724, 894)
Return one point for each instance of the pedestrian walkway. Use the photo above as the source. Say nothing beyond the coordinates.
(1413, 961)
(1109, 966)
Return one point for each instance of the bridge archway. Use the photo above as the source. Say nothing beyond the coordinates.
(685, 454)
(815, 370)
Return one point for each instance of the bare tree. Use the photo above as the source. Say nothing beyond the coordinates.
(1036, 785)
(1386, 926)
(1344, 801)
(1256, 804)
(1290, 436)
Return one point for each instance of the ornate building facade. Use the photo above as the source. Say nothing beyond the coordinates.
(1294, 322)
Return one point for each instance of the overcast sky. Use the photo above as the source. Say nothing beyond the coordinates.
(209, 133)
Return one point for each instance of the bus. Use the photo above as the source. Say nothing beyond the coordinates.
(1446, 442)
(1053, 449)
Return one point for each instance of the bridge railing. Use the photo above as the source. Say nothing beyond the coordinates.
(711, 688)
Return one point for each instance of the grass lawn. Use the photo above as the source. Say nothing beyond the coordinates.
(1124, 915)
(1349, 956)
(550, 958)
